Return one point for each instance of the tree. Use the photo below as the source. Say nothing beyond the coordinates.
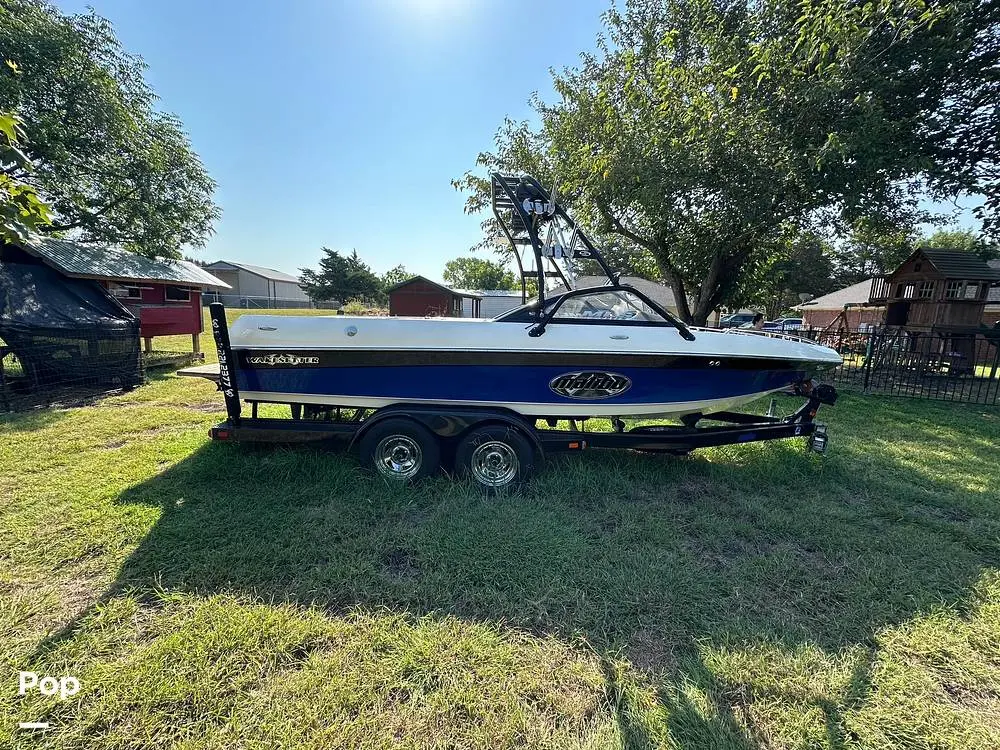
(798, 264)
(874, 246)
(341, 278)
(22, 212)
(113, 168)
(961, 239)
(702, 129)
(396, 275)
(476, 273)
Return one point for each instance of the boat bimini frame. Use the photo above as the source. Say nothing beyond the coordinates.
(525, 210)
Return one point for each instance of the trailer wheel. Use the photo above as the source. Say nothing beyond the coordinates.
(496, 457)
(400, 450)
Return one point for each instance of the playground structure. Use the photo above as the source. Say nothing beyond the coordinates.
(930, 340)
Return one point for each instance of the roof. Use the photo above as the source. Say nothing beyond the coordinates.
(498, 292)
(994, 297)
(86, 261)
(267, 273)
(442, 287)
(959, 264)
(855, 294)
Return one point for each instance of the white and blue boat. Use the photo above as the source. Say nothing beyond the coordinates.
(574, 353)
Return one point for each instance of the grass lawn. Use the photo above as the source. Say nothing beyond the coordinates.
(212, 595)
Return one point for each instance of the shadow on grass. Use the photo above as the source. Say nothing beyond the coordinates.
(29, 421)
(643, 556)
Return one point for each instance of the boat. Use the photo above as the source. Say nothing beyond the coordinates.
(571, 353)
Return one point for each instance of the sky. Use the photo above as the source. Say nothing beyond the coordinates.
(341, 123)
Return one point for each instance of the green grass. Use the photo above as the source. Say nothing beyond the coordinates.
(213, 595)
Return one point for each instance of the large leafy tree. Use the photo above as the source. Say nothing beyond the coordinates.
(799, 267)
(468, 272)
(22, 212)
(396, 275)
(873, 246)
(961, 239)
(113, 168)
(341, 278)
(702, 129)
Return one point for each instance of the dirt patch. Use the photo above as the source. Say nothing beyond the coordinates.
(206, 408)
(696, 489)
(400, 564)
(650, 652)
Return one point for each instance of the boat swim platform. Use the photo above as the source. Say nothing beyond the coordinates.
(209, 372)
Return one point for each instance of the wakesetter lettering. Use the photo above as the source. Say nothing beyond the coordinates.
(272, 360)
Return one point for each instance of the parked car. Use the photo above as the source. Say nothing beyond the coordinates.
(772, 325)
(788, 324)
(735, 320)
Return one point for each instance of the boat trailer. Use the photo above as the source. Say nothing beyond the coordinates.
(497, 448)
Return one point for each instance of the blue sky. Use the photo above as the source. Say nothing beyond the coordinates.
(341, 123)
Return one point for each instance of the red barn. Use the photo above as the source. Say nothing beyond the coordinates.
(165, 295)
(420, 297)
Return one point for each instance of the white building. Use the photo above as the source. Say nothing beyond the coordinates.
(493, 302)
(256, 286)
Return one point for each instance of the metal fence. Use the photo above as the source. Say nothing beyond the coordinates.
(285, 303)
(962, 367)
(258, 303)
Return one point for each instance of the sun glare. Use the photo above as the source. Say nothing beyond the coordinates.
(437, 9)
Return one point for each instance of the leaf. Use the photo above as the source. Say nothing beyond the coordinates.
(734, 93)
(8, 126)
(12, 65)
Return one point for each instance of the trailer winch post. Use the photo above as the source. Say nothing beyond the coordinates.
(227, 364)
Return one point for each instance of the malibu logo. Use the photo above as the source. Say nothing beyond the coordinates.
(282, 359)
(590, 385)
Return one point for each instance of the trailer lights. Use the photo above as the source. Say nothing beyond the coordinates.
(819, 439)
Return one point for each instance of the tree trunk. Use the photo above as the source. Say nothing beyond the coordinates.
(680, 297)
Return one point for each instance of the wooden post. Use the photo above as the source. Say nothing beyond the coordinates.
(195, 345)
(147, 344)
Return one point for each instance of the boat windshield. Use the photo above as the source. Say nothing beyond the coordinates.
(616, 304)
(600, 303)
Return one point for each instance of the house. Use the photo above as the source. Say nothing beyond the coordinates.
(422, 297)
(493, 302)
(165, 295)
(257, 286)
(852, 301)
(944, 290)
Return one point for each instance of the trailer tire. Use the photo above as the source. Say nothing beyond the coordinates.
(497, 458)
(400, 450)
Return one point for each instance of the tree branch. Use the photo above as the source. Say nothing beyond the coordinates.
(92, 215)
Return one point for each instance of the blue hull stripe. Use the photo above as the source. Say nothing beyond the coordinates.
(510, 384)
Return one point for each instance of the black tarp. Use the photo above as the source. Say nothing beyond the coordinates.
(63, 332)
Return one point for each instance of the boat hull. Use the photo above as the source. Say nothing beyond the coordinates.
(570, 372)
(527, 389)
